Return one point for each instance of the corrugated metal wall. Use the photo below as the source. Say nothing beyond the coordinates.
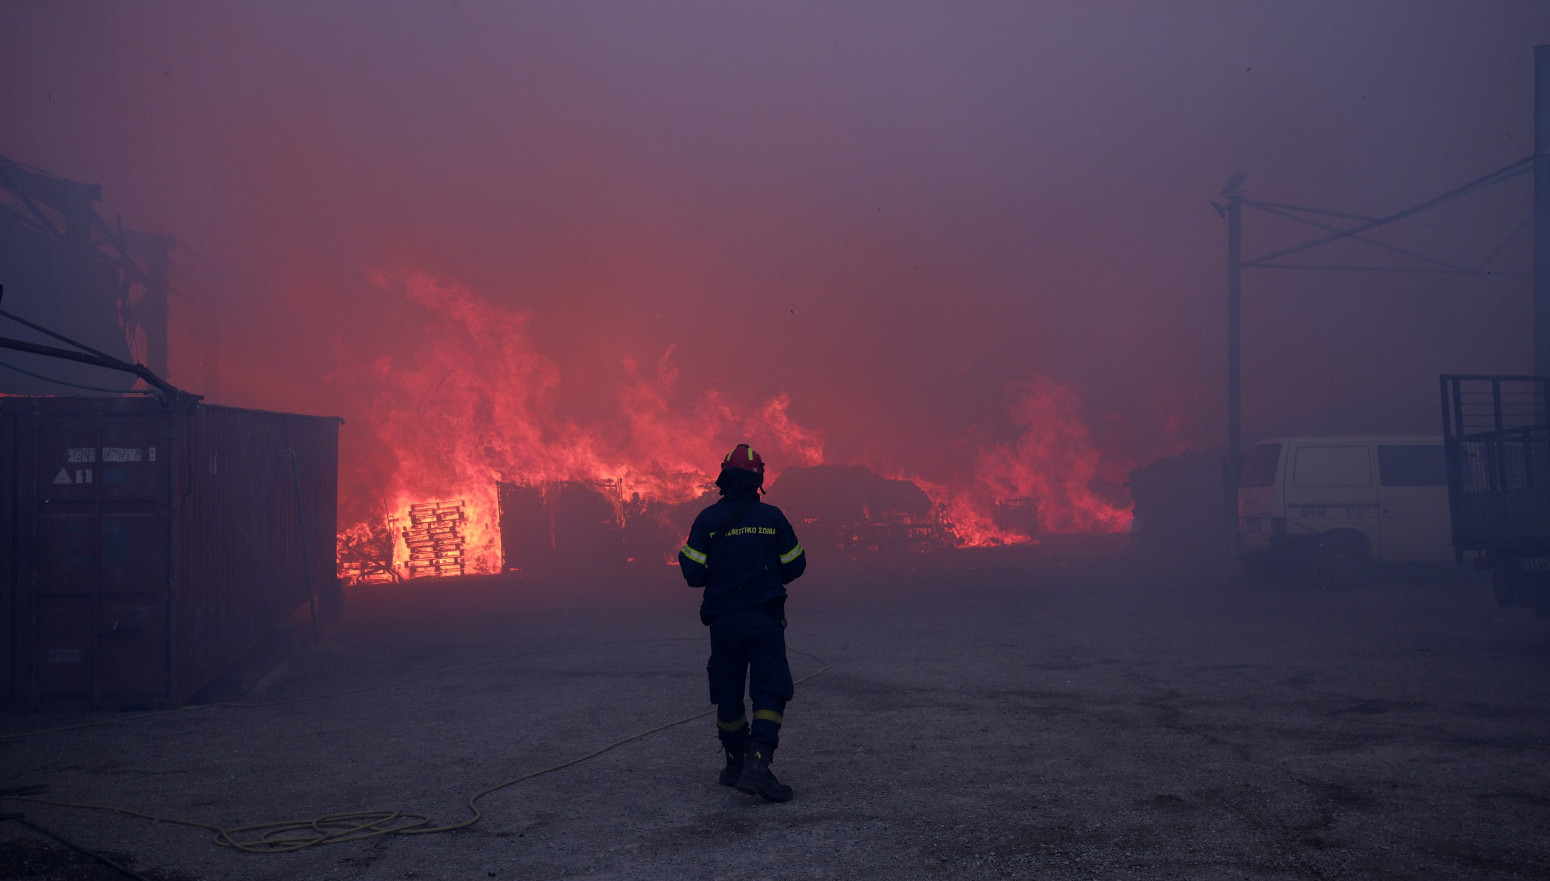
(151, 544)
(244, 562)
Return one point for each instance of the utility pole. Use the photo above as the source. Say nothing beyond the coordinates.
(1542, 210)
(1234, 349)
(1338, 225)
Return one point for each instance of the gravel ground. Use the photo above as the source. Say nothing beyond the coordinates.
(1062, 712)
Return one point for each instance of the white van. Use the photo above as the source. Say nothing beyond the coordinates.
(1342, 503)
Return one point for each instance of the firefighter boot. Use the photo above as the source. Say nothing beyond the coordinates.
(733, 770)
(757, 779)
(734, 744)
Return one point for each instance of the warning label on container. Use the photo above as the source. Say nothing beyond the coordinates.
(121, 454)
(81, 454)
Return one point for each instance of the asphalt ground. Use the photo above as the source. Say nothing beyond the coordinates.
(1066, 711)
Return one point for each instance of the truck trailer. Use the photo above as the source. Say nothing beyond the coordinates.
(1496, 433)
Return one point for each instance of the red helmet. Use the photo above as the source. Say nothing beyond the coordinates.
(743, 456)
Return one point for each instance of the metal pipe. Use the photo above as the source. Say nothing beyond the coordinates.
(98, 361)
(301, 518)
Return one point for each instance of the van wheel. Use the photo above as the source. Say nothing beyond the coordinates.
(1344, 560)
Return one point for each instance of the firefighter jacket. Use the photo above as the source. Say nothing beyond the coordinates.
(743, 552)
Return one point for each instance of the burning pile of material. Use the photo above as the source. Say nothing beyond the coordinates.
(470, 412)
(365, 553)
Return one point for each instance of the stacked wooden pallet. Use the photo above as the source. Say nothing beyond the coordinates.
(434, 537)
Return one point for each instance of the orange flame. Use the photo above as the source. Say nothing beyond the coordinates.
(1051, 466)
(1053, 460)
(473, 404)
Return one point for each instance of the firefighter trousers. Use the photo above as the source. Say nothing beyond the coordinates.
(748, 646)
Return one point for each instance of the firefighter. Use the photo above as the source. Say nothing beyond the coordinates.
(743, 553)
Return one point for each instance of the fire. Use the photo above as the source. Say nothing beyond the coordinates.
(471, 406)
(1052, 463)
(1053, 459)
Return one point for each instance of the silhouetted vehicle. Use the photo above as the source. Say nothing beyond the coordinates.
(1497, 434)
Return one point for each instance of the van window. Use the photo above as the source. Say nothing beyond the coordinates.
(1412, 465)
(1259, 466)
(1332, 466)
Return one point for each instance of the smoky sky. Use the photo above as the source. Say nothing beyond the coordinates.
(893, 212)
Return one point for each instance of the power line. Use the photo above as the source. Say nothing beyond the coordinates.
(89, 388)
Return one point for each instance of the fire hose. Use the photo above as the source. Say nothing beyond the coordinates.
(287, 836)
(22, 820)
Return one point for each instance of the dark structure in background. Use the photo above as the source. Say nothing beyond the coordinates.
(152, 542)
(1178, 509)
(1496, 432)
(64, 267)
(560, 525)
(1231, 209)
(1496, 429)
(850, 509)
(1020, 515)
(563, 526)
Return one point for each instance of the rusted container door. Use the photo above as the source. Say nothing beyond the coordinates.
(99, 564)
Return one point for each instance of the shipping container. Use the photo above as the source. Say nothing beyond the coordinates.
(152, 542)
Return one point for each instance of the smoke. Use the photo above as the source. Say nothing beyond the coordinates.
(868, 233)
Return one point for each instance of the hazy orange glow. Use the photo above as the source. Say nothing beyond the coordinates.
(1053, 462)
(965, 245)
(473, 402)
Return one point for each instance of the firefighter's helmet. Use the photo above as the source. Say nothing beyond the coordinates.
(744, 457)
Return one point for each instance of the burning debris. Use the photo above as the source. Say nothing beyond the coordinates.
(365, 554)
(1053, 460)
